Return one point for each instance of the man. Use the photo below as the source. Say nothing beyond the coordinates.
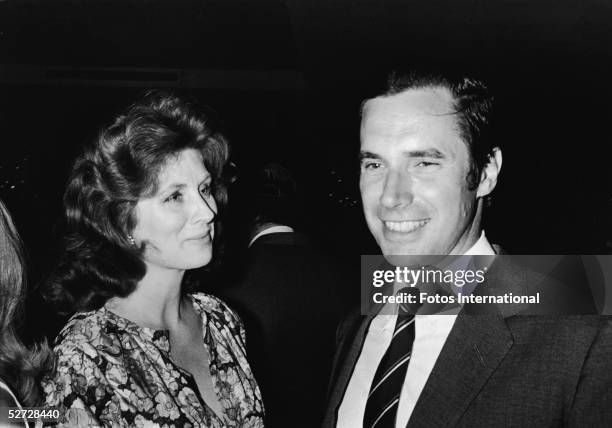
(428, 164)
(289, 300)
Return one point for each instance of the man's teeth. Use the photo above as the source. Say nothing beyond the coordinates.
(404, 226)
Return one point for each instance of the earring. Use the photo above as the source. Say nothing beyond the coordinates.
(131, 240)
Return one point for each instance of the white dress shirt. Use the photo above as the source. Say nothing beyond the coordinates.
(274, 229)
(431, 332)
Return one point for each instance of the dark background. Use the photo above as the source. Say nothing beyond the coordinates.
(287, 78)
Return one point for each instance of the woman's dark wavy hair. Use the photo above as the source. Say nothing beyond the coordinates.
(121, 166)
(20, 366)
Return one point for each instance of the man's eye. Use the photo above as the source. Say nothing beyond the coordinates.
(371, 166)
(425, 164)
(175, 197)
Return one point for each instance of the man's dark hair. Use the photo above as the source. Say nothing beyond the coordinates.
(472, 106)
(121, 166)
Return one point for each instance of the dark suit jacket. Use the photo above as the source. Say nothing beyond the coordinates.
(290, 302)
(504, 368)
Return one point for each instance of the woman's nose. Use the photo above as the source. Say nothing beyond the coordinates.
(206, 209)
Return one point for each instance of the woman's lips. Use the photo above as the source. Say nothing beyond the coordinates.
(201, 237)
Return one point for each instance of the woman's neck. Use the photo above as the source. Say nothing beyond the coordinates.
(156, 301)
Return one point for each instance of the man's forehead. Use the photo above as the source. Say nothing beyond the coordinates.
(434, 101)
(415, 121)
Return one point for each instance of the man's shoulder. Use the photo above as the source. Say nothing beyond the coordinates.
(561, 284)
(581, 329)
(349, 324)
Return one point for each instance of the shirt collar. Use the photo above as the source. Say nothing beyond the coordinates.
(273, 229)
(482, 247)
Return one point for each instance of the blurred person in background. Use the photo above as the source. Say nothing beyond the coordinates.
(289, 298)
(20, 366)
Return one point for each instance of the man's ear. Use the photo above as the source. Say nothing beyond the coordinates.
(489, 174)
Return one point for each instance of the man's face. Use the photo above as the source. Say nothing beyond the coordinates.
(413, 179)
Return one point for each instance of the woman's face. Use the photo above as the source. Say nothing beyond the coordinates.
(176, 223)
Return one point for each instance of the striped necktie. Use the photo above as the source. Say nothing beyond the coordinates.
(383, 399)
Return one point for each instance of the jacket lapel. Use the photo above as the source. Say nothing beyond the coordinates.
(350, 346)
(472, 352)
(477, 343)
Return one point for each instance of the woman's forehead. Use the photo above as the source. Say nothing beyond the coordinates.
(181, 169)
(182, 164)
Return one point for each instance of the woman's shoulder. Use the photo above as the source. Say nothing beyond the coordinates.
(215, 307)
(219, 314)
(84, 332)
(210, 303)
(80, 350)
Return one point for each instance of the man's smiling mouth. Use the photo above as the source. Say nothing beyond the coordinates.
(405, 226)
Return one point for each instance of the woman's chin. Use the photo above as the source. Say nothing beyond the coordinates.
(201, 261)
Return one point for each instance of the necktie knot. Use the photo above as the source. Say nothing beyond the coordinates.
(410, 302)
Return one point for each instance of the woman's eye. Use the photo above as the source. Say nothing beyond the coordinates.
(175, 197)
(206, 190)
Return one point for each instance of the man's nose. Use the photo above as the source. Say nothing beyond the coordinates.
(397, 190)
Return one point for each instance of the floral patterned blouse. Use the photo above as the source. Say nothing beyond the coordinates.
(112, 372)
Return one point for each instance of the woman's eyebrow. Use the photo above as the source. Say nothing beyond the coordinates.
(172, 186)
(178, 186)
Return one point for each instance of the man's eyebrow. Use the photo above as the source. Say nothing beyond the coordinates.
(368, 155)
(429, 153)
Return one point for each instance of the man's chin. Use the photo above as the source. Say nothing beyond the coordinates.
(391, 248)
(404, 254)
(410, 260)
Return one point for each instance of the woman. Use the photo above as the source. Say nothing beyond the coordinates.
(19, 366)
(141, 206)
